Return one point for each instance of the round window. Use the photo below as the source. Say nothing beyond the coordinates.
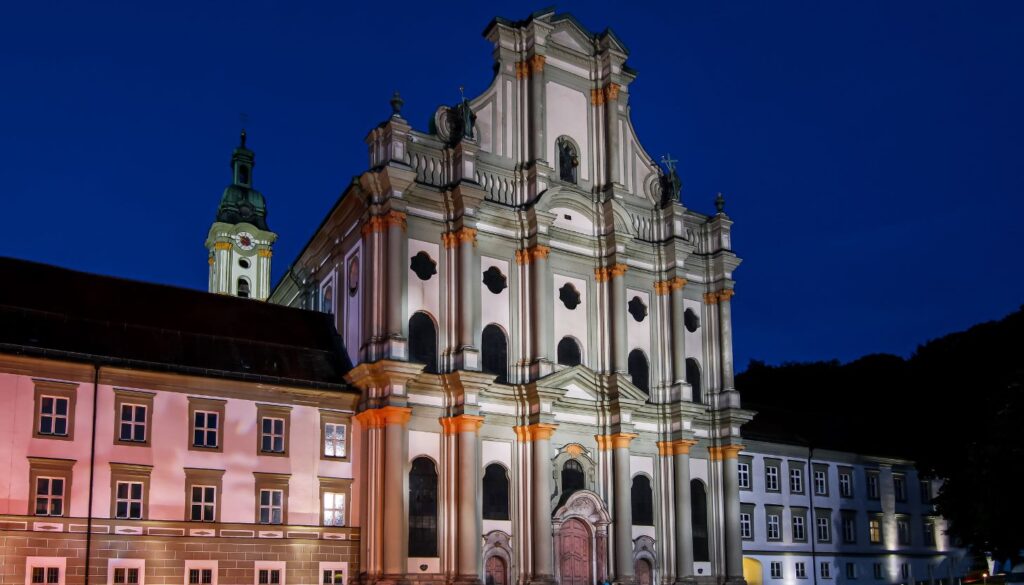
(243, 262)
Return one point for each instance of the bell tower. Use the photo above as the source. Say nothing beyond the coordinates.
(239, 244)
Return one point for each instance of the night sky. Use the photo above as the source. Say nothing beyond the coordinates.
(871, 153)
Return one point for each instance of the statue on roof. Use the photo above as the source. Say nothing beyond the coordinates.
(671, 184)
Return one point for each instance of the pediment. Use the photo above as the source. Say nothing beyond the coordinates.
(578, 380)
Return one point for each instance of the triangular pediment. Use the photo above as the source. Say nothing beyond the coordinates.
(579, 381)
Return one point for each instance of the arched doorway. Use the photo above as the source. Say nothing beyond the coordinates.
(644, 573)
(574, 553)
(495, 572)
(752, 571)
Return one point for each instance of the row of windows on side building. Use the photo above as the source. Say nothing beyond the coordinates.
(852, 570)
(48, 571)
(823, 526)
(820, 480)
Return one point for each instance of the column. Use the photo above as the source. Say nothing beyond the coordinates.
(683, 521)
(611, 111)
(725, 335)
(539, 434)
(623, 507)
(467, 427)
(396, 438)
(541, 290)
(537, 115)
(397, 274)
(469, 287)
(678, 330)
(729, 455)
(620, 352)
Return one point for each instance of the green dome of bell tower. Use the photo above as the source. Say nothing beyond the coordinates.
(240, 202)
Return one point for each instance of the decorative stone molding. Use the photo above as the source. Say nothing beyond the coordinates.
(454, 238)
(725, 295)
(522, 69)
(611, 92)
(531, 65)
(597, 97)
(724, 452)
(378, 418)
(537, 63)
(713, 298)
(264, 253)
(664, 287)
(682, 446)
(534, 432)
(463, 423)
(379, 223)
(222, 245)
(606, 273)
(527, 255)
(615, 441)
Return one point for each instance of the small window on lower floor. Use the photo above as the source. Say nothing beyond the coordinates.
(200, 572)
(851, 570)
(801, 570)
(333, 573)
(776, 570)
(124, 575)
(826, 570)
(47, 575)
(269, 573)
(126, 572)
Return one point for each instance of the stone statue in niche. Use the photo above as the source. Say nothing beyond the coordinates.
(568, 161)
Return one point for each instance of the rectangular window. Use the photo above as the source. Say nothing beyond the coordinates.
(133, 423)
(200, 576)
(269, 577)
(878, 570)
(799, 528)
(45, 574)
(845, 485)
(926, 491)
(45, 570)
(334, 509)
(126, 576)
(796, 480)
(872, 481)
(929, 532)
(743, 474)
(49, 496)
(333, 577)
(334, 440)
(823, 532)
(904, 570)
(272, 435)
(128, 503)
(903, 531)
(899, 488)
(820, 483)
(206, 429)
(745, 529)
(771, 478)
(801, 570)
(826, 570)
(849, 528)
(203, 503)
(851, 570)
(773, 531)
(776, 569)
(875, 530)
(271, 506)
(53, 415)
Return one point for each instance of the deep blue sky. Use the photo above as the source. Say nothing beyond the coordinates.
(871, 153)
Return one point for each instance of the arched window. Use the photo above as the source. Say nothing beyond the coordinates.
(423, 341)
(327, 303)
(422, 508)
(496, 492)
(693, 377)
(573, 478)
(639, 370)
(494, 350)
(243, 288)
(699, 517)
(569, 352)
(643, 501)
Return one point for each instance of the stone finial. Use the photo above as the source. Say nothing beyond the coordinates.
(720, 202)
(396, 104)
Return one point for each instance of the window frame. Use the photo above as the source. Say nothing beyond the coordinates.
(332, 485)
(823, 521)
(272, 481)
(800, 569)
(744, 467)
(114, 565)
(46, 563)
(851, 570)
(54, 389)
(873, 483)
(825, 570)
(334, 567)
(204, 404)
(928, 529)
(274, 412)
(798, 513)
(845, 488)
(903, 536)
(775, 569)
(769, 516)
(768, 476)
(279, 566)
(192, 565)
(876, 520)
(849, 522)
(796, 476)
(129, 473)
(124, 397)
(900, 493)
(195, 477)
(746, 526)
(820, 470)
(877, 571)
(335, 417)
(45, 467)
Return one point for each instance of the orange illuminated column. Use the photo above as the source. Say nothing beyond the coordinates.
(396, 439)
(684, 523)
(729, 455)
(622, 504)
(539, 437)
(466, 427)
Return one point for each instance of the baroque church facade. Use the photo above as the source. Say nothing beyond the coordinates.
(531, 309)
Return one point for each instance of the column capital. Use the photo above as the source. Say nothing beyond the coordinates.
(682, 446)
(463, 423)
(460, 236)
(537, 63)
(606, 273)
(378, 418)
(527, 255)
(615, 441)
(611, 92)
(264, 253)
(664, 287)
(725, 294)
(222, 245)
(534, 432)
(724, 452)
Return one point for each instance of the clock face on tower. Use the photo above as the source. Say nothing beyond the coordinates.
(245, 241)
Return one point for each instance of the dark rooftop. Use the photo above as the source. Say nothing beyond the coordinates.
(48, 311)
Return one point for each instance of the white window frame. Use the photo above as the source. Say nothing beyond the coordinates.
(745, 525)
(273, 435)
(343, 567)
(799, 521)
(823, 528)
(877, 522)
(129, 500)
(50, 497)
(126, 564)
(206, 429)
(873, 488)
(800, 569)
(339, 440)
(820, 483)
(825, 570)
(845, 485)
(46, 563)
(344, 508)
(132, 422)
(774, 527)
(202, 502)
(771, 478)
(743, 475)
(269, 566)
(270, 507)
(796, 480)
(53, 416)
(201, 566)
(899, 487)
(775, 569)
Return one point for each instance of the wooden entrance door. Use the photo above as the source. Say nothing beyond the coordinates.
(574, 547)
(643, 572)
(494, 571)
